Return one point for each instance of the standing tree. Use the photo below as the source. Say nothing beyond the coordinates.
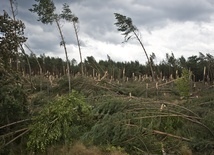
(125, 25)
(69, 16)
(46, 12)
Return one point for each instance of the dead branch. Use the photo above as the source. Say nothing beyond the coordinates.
(17, 122)
(169, 135)
(182, 108)
(13, 132)
(14, 139)
(163, 133)
(197, 122)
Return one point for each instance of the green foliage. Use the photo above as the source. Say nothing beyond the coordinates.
(125, 25)
(13, 108)
(142, 126)
(67, 14)
(12, 36)
(183, 84)
(56, 66)
(203, 138)
(60, 121)
(121, 123)
(45, 10)
(13, 99)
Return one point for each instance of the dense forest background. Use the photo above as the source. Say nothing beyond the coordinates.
(201, 66)
(53, 106)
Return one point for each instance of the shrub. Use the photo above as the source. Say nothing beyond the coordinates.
(62, 120)
(183, 83)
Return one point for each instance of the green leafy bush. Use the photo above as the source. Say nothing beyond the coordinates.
(60, 121)
(183, 83)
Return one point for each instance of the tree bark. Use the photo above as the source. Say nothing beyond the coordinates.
(14, 18)
(66, 53)
(40, 67)
(150, 65)
(29, 66)
(78, 42)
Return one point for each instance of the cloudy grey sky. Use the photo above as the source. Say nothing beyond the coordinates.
(184, 27)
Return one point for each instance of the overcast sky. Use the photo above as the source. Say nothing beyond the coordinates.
(184, 27)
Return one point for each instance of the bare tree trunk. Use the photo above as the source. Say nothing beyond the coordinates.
(78, 42)
(150, 64)
(66, 53)
(14, 18)
(13, 12)
(40, 68)
(29, 66)
(204, 75)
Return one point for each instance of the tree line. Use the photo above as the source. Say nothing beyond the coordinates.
(201, 66)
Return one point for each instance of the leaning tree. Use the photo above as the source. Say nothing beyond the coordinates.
(45, 9)
(127, 28)
(70, 17)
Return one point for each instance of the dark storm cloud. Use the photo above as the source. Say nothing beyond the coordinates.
(97, 16)
(96, 19)
(192, 10)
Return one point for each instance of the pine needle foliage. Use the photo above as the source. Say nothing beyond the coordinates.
(45, 10)
(125, 25)
(203, 139)
(144, 125)
(127, 28)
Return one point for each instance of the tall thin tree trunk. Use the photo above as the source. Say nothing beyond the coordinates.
(13, 12)
(204, 74)
(150, 64)
(14, 18)
(78, 42)
(29, 66)
(40, 67)
(66, 54)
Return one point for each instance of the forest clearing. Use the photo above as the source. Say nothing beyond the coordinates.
(53, 106)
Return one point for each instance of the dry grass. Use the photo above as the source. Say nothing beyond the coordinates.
(80, 149)
(185, 150)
